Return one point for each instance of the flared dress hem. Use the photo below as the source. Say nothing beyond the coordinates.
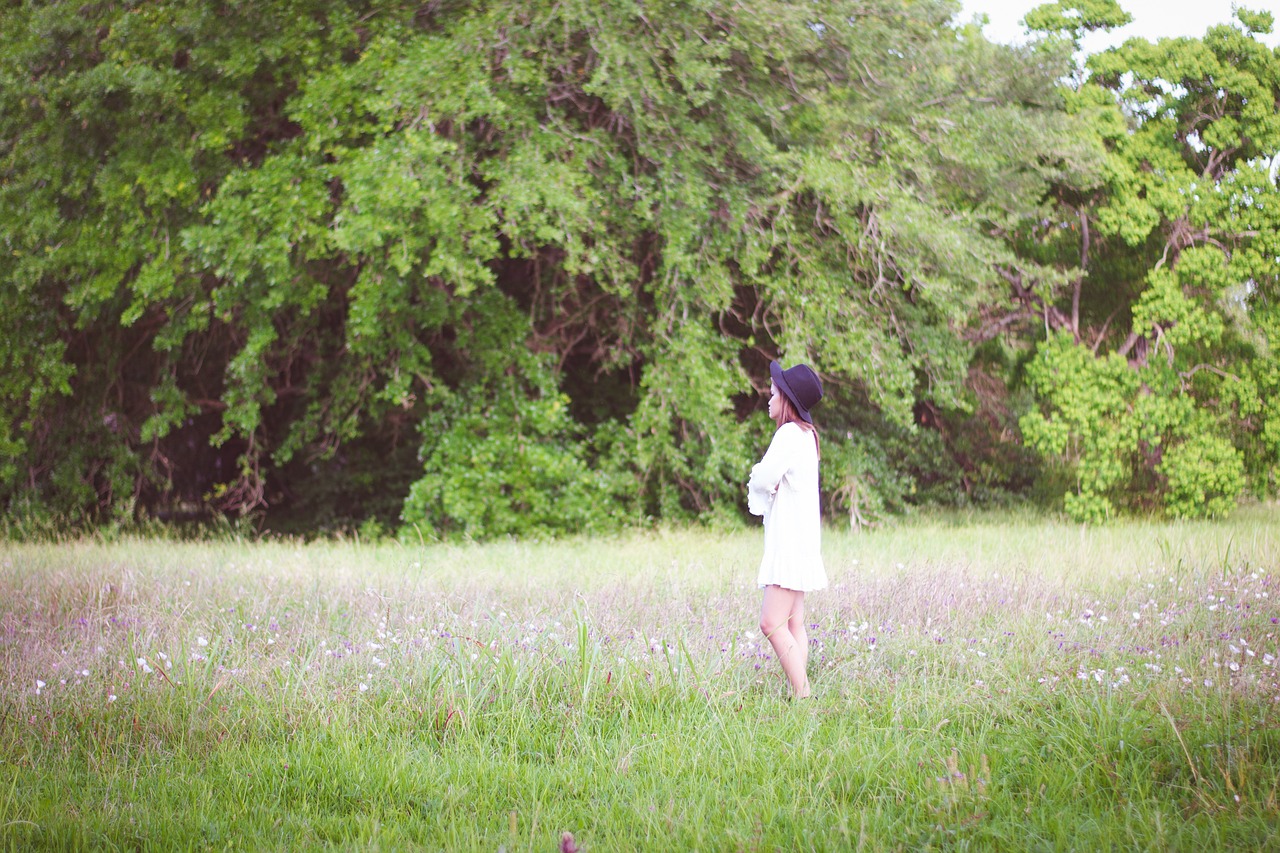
(791, 582)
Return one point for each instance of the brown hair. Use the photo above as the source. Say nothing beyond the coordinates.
(787, 414)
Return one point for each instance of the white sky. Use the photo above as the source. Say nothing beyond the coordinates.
(1152, 19)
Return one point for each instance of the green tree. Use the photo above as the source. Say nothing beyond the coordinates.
(119, 121)
(261, 250)
(1153, 384)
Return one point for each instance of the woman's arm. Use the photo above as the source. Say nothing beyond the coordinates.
(767, 474)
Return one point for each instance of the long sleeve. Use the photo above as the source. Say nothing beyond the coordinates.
(767, 474)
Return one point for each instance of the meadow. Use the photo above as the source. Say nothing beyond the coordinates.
(985, 683)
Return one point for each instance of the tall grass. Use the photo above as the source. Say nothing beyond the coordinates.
(987, 683)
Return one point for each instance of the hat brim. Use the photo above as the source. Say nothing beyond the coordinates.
(775, 372)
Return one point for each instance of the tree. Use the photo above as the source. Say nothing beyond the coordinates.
(1154, 385)
(558, 241)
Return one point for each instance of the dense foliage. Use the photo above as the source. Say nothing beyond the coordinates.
(1157, 384)
(486, 268)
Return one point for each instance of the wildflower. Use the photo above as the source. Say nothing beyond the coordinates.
(39, 686)
(364, 688)
(142, 662)
(111, 698)
(201, 641)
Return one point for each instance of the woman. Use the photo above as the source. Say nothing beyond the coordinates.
(784, 489)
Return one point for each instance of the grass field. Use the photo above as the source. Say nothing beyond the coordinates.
(979, 684)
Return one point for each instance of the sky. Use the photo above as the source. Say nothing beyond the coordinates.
(1152, 19)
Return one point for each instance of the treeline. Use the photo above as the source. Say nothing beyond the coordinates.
(489, 268)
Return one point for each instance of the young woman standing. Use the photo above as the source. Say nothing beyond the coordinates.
(784, 489)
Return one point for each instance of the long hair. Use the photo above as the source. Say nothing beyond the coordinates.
(787, 414)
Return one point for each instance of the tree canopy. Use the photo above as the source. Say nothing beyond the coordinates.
(1155, 389)
(488, 268)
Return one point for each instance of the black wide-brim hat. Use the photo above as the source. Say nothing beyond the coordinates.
(801, 386)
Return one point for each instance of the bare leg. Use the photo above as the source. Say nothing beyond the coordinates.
(777, 615)
(796, 624)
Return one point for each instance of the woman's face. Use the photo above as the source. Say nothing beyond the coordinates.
(775, 401)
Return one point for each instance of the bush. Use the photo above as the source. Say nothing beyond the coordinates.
(1205, 477)
(509, 463)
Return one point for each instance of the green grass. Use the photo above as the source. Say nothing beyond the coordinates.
(980, 683)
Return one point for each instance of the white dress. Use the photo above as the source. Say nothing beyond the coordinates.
(784, 489)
